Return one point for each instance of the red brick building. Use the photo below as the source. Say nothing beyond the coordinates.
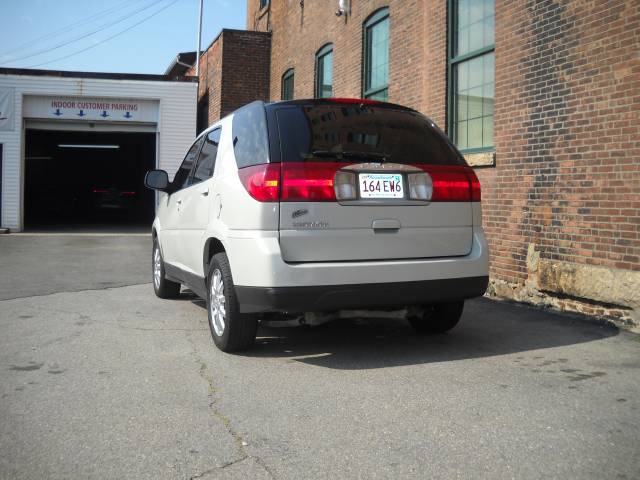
(543, 97)
(234, 70)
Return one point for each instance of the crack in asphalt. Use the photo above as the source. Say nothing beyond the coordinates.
(235, 462)
(202, 474)
(240, 443)
(222, 467)
(113, 287)
(264, 466)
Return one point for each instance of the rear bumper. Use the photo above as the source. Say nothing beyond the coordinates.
(266, 283)
(366, 296)
(256, 261)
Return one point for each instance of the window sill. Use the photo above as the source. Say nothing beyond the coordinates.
(480, 159)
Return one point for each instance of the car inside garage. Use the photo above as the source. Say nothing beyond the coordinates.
(76, 146)
(77, 180)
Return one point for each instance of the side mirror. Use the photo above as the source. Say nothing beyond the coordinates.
(156, 180)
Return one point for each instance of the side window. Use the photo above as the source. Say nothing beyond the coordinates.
(287, 85)
(207, 159)
(249, 130)
(181, 180)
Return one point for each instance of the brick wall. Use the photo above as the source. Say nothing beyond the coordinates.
(246, 60)
(567, 136)
(234, 71)
(258, 19)
(209, 83)
(416, 73)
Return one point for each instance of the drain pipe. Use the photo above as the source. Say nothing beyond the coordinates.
(199, 41)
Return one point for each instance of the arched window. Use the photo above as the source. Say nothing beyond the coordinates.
(287, 85)
(376, 56)
(324, 72)
(471, 75)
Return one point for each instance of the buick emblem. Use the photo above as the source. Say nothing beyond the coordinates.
(299, 213)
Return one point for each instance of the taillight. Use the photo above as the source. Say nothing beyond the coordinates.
(450, 186)
(326, 182)
(128, 194)
(262, 182)
(309, 182)
(453, 183)
(476, 194)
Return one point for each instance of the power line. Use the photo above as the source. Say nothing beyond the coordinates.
(102, 27)
(65, 29)
(106, 39)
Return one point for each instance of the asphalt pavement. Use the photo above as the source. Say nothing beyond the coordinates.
(101, 379)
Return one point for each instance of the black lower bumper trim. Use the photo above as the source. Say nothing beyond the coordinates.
(365, 296)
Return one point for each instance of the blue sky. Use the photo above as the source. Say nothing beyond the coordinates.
(30, 29)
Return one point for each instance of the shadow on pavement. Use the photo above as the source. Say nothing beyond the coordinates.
(487, 328)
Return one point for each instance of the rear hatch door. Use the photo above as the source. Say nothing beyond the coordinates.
(378, 148)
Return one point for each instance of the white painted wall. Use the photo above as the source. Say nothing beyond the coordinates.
(176, 126)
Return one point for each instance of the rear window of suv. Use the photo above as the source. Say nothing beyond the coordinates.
(339, 132)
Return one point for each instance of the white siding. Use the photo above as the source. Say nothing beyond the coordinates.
(176, 124)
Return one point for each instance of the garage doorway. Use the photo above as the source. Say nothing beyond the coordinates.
(88, 181)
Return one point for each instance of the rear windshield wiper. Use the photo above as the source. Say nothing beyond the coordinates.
(383, 157)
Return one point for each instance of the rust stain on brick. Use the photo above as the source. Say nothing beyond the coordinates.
(546, 87)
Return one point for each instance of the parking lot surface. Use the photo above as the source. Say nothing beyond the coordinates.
(101, 379)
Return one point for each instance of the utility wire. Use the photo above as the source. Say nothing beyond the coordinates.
(102, 27)
(68, 28)
(106, 39)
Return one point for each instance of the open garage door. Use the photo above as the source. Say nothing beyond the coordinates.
(82, 180)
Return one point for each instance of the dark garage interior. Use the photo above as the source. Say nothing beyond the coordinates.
(88, 180)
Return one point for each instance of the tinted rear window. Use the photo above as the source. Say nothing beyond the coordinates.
(316, 132)
(249, 130)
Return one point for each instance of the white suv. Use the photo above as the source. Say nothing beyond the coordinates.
(316, 206)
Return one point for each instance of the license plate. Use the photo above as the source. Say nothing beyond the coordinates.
(381, 185)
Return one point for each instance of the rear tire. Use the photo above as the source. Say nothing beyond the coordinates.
(161, 286)
(438, 318)
(231, 330)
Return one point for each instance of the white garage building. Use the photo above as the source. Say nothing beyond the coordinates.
(74, 146)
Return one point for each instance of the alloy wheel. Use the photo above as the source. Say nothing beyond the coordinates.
(157, 267)
(217, 303)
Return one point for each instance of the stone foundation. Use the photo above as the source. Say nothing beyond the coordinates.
(609, 293)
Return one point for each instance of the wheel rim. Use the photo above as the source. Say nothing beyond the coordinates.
(157, 267)
(217, 303)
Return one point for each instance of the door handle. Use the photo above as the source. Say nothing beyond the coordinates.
(179, 201)
(205, 192)
(388, 225)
